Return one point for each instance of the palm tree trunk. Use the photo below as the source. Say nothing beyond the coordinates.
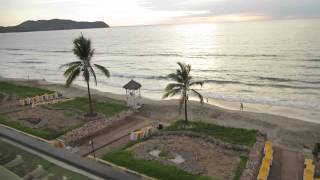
(186, 108)
(90, 101)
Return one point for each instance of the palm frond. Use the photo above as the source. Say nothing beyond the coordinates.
(70, 70)
(171, 93)
(82, 48)
(198, 95)
(171, 86)
(181, 65)
(188, 68)
(72, 76)
(175, 77)
(197, 83)
(103, 69)
(71, 64)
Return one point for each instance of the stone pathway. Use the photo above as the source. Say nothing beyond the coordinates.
(115, 132)
(287, 165)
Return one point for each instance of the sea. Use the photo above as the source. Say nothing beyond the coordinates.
(266, 62)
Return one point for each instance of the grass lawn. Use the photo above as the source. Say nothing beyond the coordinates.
(108, 108)
(48, 134)
(240, 168)
(9, 151)
(21, 91)
(151, 168)
(231, 135)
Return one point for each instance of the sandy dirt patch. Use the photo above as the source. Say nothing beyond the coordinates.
(43, 118)
(200, 157)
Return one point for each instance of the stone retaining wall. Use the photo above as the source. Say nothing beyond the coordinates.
(254, 159)
(92, 128)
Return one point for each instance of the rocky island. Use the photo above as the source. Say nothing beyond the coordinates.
(50, 25)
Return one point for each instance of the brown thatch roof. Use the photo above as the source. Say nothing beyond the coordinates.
(132, 85)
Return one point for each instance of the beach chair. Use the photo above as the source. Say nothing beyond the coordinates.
(133, 136)
(149, 128)
(28, 101)
(268, 150)
(17, 161)
(308, 175)
(269, 155)
(263, 173)
(52, 96)
(45, 96)
(308, 162)
(139, 134)
(41, 99)
(268, 143)
(33, 100)
(21, 102)
(144, 132)
(58, 143)
(267, 161)
(309, 169)
(56, 95)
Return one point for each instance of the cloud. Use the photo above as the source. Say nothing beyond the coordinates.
(271, 8)
(142, 12)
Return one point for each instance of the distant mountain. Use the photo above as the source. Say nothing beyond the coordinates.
(54, 24)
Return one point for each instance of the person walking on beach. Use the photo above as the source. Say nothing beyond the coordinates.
(241, 106)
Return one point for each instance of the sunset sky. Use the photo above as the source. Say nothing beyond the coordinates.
(145, 12)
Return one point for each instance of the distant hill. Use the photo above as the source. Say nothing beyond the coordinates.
(54, 24)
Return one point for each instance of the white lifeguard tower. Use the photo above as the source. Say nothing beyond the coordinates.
(134, 99)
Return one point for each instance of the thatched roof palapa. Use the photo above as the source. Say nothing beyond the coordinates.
(132, 85)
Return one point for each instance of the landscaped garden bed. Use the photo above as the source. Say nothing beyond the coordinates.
(54, 120)
(194, 151)
(107, 108)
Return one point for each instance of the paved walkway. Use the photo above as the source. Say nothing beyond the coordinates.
(287, 165)
(113, 146)
(117, 131)
(90, 166)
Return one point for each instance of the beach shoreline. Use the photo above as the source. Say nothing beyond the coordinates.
(282, 128)
(289, 112)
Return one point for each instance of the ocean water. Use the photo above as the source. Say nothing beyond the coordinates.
(267, 62)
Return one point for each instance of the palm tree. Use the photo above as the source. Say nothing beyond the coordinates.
(182, 85)
(82, 49)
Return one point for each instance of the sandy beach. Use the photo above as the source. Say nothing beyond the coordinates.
(285, 130)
